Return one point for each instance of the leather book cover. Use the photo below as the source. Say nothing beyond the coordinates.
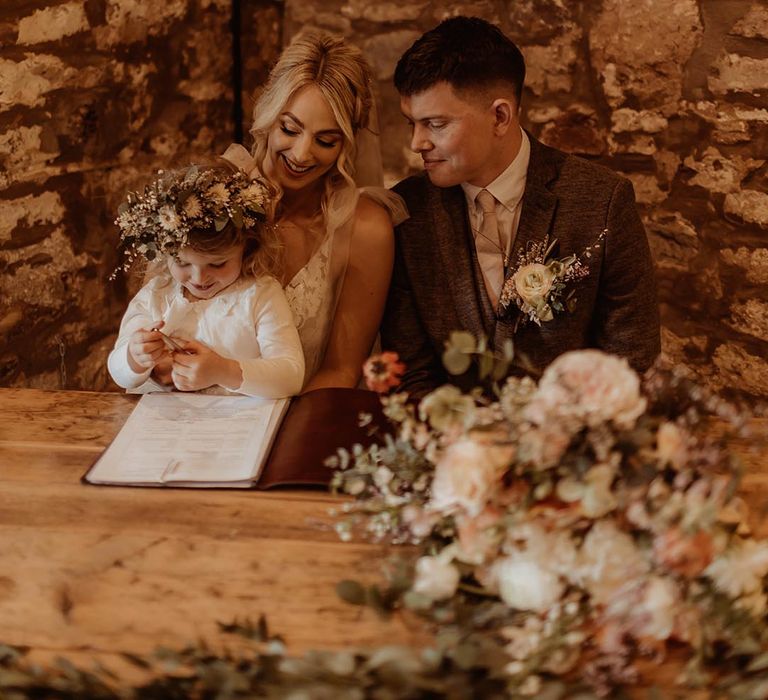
(315, 426)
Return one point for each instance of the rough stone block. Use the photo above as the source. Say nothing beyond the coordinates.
(753, 262)
(384, 50)
(639, 58)
(382, 12)
(52, 23)
(717, 173)
(735, 73)
(647, 121)
(45, 208)
(647, 190)
(674, 240)
(750, 317)
(550, 68)
(740, 370)
(748, 205)
(754, 25)
(25, 151)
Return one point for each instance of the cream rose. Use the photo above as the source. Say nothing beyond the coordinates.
(524, 585)
(435, 578)
(532, 283)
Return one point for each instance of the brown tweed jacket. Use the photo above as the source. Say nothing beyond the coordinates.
(437, 284)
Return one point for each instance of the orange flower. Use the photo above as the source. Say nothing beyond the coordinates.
(382, 372)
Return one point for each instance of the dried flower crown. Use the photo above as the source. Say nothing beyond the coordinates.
(158, 221)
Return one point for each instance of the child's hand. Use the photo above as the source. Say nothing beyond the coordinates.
(200, 367)
(146, 348)
(163, 370)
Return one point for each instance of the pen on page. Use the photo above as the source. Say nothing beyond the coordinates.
(170, 343)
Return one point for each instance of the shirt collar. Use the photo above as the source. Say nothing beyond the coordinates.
(509, 186)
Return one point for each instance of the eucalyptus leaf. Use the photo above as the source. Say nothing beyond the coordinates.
(500, 370)
(455, 361)
(351, 592)
(220, 222)
(463, 341)
(237, 217)
(759, 663)
(485, 365)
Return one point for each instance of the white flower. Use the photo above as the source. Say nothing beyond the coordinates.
(168, 218)
(587, 387)
(435, 578)
(253, 196)
(525, 585)
(382, 476)
(218, 194)
(192, 208)
(607, 561)
(658, 608)
(532, 283)
(523, 641)
(740, 570)
(671, 445)
(598, 499)
(467, 475)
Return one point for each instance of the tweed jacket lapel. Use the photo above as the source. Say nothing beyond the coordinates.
(539, 204)
(455, 246)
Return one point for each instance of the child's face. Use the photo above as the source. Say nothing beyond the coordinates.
(305, 141)
(204, 275)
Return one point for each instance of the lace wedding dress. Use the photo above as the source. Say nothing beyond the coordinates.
(311, 295)
(314, 290)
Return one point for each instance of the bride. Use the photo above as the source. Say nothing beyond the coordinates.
(315, 139)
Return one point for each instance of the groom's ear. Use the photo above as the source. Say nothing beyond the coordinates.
(504, 115)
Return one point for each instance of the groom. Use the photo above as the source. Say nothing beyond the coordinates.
(489, 194)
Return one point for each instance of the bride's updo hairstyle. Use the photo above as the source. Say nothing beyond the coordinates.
(344, 78)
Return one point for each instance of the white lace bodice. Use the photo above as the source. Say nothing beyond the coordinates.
(311, 297)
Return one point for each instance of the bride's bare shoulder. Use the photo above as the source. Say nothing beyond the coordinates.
(372, 219)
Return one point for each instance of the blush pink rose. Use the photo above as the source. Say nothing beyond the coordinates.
(467, 475)
(587, 388)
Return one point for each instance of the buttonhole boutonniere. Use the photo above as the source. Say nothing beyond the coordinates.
(539, 284)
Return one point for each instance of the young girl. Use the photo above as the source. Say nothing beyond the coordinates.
(216, 299)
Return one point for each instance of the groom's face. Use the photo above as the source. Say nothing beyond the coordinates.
(454, 135)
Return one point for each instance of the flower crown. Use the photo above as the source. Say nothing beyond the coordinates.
(158, 221)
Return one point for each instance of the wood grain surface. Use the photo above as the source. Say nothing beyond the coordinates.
(91, 571)
(88, 572)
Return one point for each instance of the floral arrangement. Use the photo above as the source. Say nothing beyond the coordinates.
(157, 221)
(568, 531)
(539, 283)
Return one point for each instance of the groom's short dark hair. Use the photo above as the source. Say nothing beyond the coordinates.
(466, 52)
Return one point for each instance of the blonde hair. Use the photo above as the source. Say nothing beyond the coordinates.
(344, 78)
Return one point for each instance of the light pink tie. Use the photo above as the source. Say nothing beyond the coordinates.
(490, 250)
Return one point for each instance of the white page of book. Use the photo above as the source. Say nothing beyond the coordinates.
(191, 439)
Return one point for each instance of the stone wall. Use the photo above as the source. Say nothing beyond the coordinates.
(95, 95)
(672, 95)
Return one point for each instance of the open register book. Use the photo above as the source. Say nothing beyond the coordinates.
(199, 440)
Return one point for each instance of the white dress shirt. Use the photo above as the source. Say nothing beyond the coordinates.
(249, 321)
(508, 189)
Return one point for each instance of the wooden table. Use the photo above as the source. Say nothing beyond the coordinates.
(89, 571)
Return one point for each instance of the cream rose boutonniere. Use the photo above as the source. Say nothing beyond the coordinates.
(539, 284)
(533, 283)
